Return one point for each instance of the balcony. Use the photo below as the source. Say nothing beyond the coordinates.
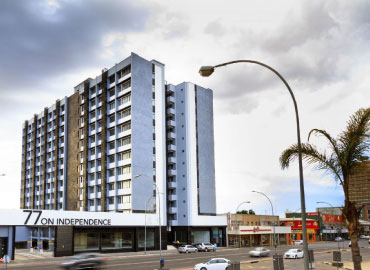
(124, 105)
(61, 199)
(126, 176)
(125, 191)
(171, 172)
(124, 119)
(92, 195)
(170, 100)
(171, 136)
(170, 89)
(124, 206)
(171, 123)
(124, 162)
(172, 210)
(171, 160)
(111, 207)
(172, 185)
(111, 193)
(172, 197)
(92, 208)
(123, 78)
(170, 111)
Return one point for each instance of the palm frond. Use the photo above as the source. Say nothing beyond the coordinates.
(313, 157)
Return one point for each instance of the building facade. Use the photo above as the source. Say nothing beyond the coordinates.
(256, 230)
(127, 142)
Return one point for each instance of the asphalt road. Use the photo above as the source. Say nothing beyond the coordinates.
(173, 260)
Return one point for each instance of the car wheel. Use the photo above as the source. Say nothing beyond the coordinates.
(296, 257)
(227, 268)
(196, 251)
(206, 250)
(203, 268)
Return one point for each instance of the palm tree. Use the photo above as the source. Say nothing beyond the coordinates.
(343, 156)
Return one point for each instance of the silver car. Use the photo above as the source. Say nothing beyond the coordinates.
(84, 261)
(187, 249)
(259, 252)
(205, 247)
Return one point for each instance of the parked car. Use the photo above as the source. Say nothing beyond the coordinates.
(205, 247)
(364, 236)
(298, 242)
(259, 252)
(187, 249)
(293, 253)
(84, 261)
(338, 239)
(213, 264)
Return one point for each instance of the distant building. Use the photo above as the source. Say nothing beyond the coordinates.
(312, 226)
(255, 230)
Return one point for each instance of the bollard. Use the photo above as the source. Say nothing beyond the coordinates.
(278, 262)
(41, 250)
(31, 249)
(161, 263)
(235, 265)
(311, 259)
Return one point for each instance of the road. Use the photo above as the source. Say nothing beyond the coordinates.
(173, 260)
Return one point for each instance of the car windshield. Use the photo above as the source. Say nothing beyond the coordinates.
(292, 251)
(258, 249)
(182, 246)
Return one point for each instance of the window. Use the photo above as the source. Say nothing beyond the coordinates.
(112, 118)
(111, 158)
(124, 184)
(123, 155)
(92, 127)
(112, 105)
(111, 145)
(111, 92)
(111, 200)
(123, 127)
(123, 113)
(98, 188)
(111, 186)
(92, 115)
(111, 172)
(111, 131)
(92, 103)
(124, 100)
(123, 72)
(124, 199)
(92, 139)
(123, 170)
(124, 141)
(92, 91)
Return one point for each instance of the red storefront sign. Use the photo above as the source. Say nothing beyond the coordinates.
(296, 225)
(256, 229)
(332, 218)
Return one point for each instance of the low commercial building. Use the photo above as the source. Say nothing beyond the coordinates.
(295, 224)
(255, 230)
(333, 224)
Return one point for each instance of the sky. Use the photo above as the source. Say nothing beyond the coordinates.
(320, 47)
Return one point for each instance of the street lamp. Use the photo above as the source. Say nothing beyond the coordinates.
(159, 215)
(206, 71)
(326, 203)
(272, 211)
(241, 205)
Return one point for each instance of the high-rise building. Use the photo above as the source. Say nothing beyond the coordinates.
(127, 142)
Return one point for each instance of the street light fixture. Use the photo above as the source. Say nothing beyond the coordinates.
(326, 203)
(241, 205)
(272, 211)
(206, 71)
(159, 214)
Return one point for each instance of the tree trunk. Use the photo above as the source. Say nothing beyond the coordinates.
(351, 215)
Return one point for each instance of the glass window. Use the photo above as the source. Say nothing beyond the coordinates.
(149, 239)
(117, 240)
(86, 241)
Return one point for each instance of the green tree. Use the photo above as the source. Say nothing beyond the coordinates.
(342, 157)
(246, 212)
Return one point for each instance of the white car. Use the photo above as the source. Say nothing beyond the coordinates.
(293, 253)
(187, 249)
(364, 237)
(298, 242)
(213, 264)
(259, 252)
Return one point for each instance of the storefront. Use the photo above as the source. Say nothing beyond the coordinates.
(295, 224)
(253, 236)
(192, 235)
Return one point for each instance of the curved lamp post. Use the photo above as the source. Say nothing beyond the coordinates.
(236, 212)
(206, 71)
(272, 211)
(159, 215)
(326, 203)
